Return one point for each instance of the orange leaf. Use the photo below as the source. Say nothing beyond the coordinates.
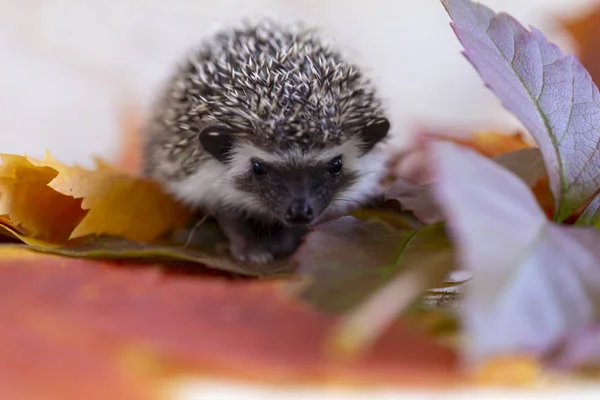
(31, 205)
(118, 204)
(413, 164)
(585, 30)
(490, 143)
(100, 324)
(543, 194)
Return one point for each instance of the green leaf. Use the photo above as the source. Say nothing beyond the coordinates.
(427, 258)
(590, 214)
(371, 273)
(345, 260)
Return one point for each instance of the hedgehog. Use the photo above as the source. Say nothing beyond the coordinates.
(269, 129)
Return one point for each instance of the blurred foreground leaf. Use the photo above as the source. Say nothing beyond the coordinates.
(426, 258)
(371, 273)
(344, 260)
(534, 283)
(86, 329)
(526, 163)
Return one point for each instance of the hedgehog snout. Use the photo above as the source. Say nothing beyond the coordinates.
(299, 212)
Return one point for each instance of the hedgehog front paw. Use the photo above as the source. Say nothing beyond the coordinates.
(249, 252)
(244, 244)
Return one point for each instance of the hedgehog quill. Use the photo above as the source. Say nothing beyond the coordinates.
(270, 130)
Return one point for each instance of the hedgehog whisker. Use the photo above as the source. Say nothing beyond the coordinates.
(347, 200)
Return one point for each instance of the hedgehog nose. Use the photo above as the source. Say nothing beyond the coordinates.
(299, 213)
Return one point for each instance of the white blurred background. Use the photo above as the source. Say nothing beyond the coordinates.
(68, 67)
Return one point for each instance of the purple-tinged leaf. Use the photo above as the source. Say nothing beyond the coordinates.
(534, 283)
(416, 198)
(527, 164)
(551, 94)
(580, 350)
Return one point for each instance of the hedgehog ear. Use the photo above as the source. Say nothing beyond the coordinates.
(217, 141)
(374, 133)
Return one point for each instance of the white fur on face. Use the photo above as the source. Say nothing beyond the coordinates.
(212, 186)
(371, 169)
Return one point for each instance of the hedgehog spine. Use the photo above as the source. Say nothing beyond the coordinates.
(262, 116)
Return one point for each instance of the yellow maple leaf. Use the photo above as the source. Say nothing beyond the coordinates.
(494, 144)
(30, 205)
(36, 194)
(117, 204)
(491, 143)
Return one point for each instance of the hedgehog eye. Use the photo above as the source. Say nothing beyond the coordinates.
(258, 168)
(335, 166)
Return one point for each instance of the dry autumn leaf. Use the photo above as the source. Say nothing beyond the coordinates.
(56, 202)
(200, 246)
(30, 205)
(492, 144)
(412, 167)
(412, 163)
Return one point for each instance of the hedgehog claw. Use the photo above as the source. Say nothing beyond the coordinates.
(246, 252)
(244, 245)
